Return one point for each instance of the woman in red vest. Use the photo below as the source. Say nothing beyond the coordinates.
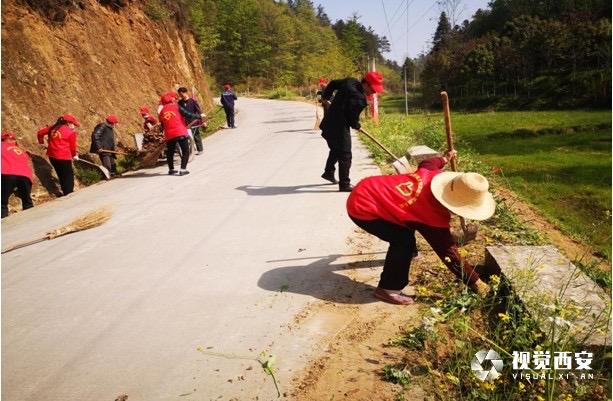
(175, 132)
(61, 148)
(393, 207)
(16, 173)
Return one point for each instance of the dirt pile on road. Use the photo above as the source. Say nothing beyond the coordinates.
(99, 60)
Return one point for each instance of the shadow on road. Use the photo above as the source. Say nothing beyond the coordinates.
(320, 279)
(255, 190)
(304, 131)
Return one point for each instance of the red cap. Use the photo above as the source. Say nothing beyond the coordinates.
(43, 131)
(8, 136)
(69, 118)
(323, 81)
(171, 94)
(166, 98)
(144, 110)
(375, 80)
(112, 119)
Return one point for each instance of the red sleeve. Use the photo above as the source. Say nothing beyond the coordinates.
(435, 163)
(73, 144)
(445, 247)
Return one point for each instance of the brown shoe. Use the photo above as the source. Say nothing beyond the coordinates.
(396, 298)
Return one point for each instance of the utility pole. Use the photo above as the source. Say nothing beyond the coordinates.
(406, 93)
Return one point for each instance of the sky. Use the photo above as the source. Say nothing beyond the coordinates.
(422, 20)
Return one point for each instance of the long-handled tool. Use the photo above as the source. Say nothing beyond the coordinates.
(454, 166)
(113, 152)
(401, 166)
(317, 120)
(103, 170)
(85, 222)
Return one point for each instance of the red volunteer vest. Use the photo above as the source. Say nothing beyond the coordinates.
(15, 161)
(172, 121)
(62, 143)
(398, 199)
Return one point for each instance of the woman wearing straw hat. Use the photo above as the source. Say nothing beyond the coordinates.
(393, 207)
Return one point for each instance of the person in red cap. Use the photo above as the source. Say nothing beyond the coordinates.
(393, 207)
(175, 132)
(149, 120)
(16, 173)
(320, 90)
(342, 113)
(61, 148)
(103, 138)
(228, 97)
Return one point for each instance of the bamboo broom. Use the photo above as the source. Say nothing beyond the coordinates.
(85, 222)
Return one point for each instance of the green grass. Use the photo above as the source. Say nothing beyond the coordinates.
(560, 161)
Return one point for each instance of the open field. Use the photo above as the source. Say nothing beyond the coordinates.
(560, 161)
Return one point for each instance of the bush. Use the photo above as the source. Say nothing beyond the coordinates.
(156, 10)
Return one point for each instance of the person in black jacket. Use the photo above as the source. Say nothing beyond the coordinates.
(191, 112)
(342, 113)
(103, 138)
(227, 101)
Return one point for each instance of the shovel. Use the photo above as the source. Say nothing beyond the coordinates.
(401, 165)
(470, 231)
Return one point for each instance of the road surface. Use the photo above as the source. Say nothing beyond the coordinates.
(191, 280)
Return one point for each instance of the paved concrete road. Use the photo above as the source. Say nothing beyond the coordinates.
(220, 260)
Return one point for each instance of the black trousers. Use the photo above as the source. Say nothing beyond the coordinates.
(108, 161)
(229, 116)
(402, 249)
(63, 169)
(170, 152)
(339, 154)
(19, 184)
(197, 138)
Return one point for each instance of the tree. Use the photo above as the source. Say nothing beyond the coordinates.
(441, 35)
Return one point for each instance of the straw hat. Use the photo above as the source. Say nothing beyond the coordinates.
(465, 194)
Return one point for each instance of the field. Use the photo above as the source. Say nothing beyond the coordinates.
(559, 161)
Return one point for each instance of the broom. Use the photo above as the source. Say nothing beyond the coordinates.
(85, 222)
(317, 121)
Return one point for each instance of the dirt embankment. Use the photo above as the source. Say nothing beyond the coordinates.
(100, 60)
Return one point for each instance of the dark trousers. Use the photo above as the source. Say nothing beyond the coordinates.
(402, 249)
(171, 145)
(229, 116)
(343, 159)
(19, 184)
(197, 138)
(63, 169)
(108, 161)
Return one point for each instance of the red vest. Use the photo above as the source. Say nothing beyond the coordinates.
(172, 121)
(62, 143)
(398, 199)
(15, 161)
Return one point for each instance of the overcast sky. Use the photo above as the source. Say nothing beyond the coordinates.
(422, 19)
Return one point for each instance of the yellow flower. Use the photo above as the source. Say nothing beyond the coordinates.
(539, 398)
(521, 386)
(421, 290)
(447, 259)
(504, 317)
(488, 386)
(463, 252)
(452, 378)
(495, 279)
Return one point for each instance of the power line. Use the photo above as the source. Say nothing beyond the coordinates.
(397, 17)
(388, 24)
(417, 21)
